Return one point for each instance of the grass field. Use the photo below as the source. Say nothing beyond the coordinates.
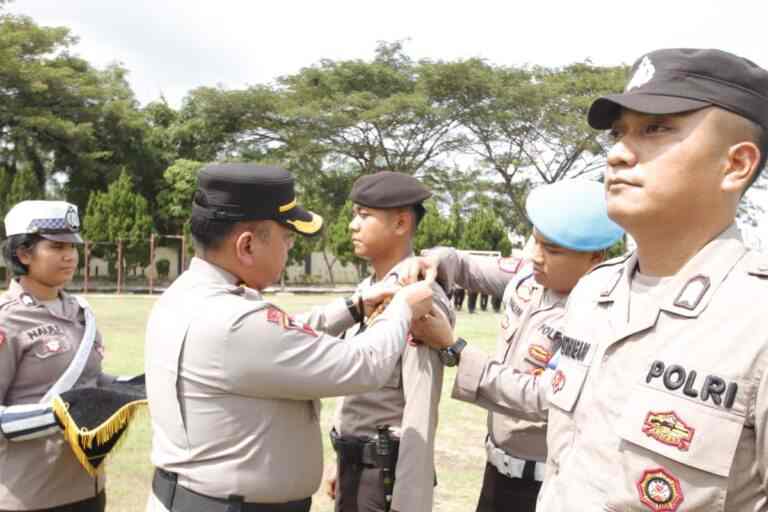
(460, 457)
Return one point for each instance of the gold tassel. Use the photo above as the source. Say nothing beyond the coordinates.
(101, 434)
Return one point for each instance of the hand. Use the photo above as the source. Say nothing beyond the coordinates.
(434, 329)
(418, 296)
(329, 482)
(374, 295)
(414, 268)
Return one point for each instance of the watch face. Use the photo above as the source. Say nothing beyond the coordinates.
(448, 357)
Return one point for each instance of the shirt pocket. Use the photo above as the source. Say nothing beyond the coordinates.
(567, 382)
(688, 447)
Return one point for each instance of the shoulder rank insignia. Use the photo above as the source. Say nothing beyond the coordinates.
(692, 293)
(659, 490)
(285, 321)
(669, 429)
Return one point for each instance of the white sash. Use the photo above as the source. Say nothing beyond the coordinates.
(75, 369)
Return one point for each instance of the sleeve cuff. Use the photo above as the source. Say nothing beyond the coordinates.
(471, 367)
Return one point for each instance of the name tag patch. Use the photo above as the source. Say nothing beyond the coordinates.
(44, 330)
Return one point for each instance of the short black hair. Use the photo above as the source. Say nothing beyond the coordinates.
(12, 244)
(209, 234)
(761, 139)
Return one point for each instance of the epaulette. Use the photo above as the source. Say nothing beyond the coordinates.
(612, 262)
(758, 265)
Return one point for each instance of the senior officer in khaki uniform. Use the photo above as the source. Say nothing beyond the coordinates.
(571, 233)
(387, 211)
(48, 345)
(660, 397)
(232, 380)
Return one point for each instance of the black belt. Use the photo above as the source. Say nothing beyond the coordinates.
(177, 498)
(359, 451)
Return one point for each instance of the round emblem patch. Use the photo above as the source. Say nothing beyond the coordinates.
(72, 220)
(558, 381)
(660, 491)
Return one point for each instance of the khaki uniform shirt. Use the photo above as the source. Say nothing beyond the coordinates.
(529, 336)
(660, 401)
(408, 402)
(233, 384)
(36, 346)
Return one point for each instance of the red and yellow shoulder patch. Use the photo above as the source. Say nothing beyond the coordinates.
(2, 337)
(287, 322)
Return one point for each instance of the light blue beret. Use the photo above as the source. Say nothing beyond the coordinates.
(573, 214)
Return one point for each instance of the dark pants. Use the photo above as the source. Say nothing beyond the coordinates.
(359, 489)
(95, 504)
(503, 494)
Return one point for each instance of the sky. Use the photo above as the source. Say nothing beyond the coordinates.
(173, 46)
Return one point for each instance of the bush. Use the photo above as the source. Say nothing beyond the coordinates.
(163, 267)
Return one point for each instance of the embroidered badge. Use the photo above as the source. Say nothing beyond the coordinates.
(558, 381)
(72, 220)
(2, 337)
(643, 74)
(660, 491)
(668, 428)
(49, 347)
(286, 322)
(692, 293)
(539, 353)
(509, 265)
(537, 371)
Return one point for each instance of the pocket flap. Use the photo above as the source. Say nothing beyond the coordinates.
(693, 434)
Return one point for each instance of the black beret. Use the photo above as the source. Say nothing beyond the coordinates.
(387, 189)
(242, 192)
(677, 80)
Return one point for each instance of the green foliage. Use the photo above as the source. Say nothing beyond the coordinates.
(339, 236)
(484, 232)
(119, 214)
(434, 229)
(175, 199)
(24, 187)
(163, 267)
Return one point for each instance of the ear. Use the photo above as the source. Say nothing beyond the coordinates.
(742, 163)
(598, 257)
(402, 222)
(25, 255)
(245, 248)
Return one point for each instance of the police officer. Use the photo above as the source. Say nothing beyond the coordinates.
(387, 210)
(48, 345)
(233, 381)
(660, 397)
(571, 233)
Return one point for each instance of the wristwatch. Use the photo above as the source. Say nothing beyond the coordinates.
(450, 356)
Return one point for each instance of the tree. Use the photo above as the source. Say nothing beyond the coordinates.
(24, 187)
(485, 232)
(528, 124)
(434, 229)
(119, 214)
(175, 199)
(375, 115)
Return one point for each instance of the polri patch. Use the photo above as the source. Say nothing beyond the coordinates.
(669, 429)
(659, 490)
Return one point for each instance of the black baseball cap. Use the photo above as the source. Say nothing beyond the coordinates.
(677, 80)
(388, 189)
(241, 192)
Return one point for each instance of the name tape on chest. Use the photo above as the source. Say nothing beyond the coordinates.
(44, 331)
(574, 349)
(707, 388)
